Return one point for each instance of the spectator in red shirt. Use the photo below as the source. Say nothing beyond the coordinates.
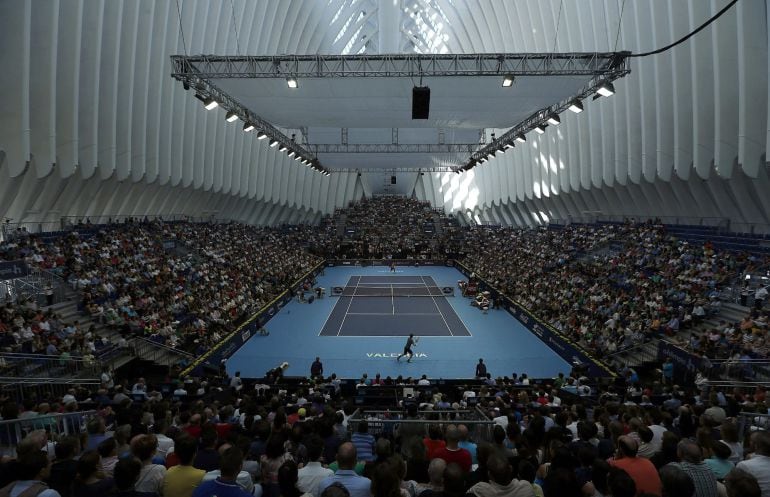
(433, 441)
(641, 470)
(451, 453)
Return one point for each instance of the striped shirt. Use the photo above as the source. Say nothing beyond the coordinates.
(364, 443)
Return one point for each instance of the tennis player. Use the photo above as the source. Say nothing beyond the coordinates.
(410, 342)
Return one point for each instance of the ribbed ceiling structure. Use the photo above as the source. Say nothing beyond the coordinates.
(92, 124)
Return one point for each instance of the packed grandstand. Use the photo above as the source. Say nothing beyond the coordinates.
(184, 285)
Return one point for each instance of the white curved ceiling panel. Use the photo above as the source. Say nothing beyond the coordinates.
(91, 122)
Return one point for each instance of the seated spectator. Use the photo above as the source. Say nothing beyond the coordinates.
(310, 475)
(501, 481)
(739, 483)
(758, 464)
(719, 463)
(287, 481)
(358, 486)
(90, 481)
(33, 469)
(64, 468)
(182, 479)
(451, 452)
(641, 470)
(226, 485)
(151, 476)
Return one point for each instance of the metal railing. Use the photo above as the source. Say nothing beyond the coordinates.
(722, 223)
(36, 287)
(159, 353)
(387, 422)
(40, 365)
(55, 426)
(751, 421)
(19, 389)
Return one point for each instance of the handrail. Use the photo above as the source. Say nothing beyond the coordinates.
(161, 346)
(633, 347)
(6, 380)
(51, 415)
(40, 357)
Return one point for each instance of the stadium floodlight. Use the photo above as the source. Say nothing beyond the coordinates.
(508, 81)
(247, 126)
(554, 119)
(273, 143)
(208, 102)
(291, 153)
(540, 129)
(292, 83)
(508, 145)
(231, 116)
(606, 89)
(482, 160)
(576, 106)
(283, 148)
(298, 158)
(521, 138)
(501, 149)
(261, 135)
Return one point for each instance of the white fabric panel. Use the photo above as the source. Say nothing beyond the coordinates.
(91, 89)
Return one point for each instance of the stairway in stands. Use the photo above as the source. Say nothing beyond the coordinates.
(341, 221)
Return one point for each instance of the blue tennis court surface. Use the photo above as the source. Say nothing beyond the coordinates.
(366, 345)
(390, 306)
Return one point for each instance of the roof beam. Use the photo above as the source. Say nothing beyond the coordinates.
(397, 65)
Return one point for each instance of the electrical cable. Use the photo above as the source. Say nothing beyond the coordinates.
(687, 37)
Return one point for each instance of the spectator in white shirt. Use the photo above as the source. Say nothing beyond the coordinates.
(758, 464)
(313, 472)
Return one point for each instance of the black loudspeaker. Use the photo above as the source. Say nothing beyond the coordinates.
(392, 180)
(420, 102)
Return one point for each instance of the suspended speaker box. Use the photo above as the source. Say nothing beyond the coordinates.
(420, 102)
(392, 180)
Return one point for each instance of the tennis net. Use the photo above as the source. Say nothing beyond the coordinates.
(391, 291)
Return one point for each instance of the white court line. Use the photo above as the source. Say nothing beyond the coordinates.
(439, 310)
(346, 310)
(388, 314)
(392, 301)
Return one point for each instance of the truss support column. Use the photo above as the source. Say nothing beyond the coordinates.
(388, 21)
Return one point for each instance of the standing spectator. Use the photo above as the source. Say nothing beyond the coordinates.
(226, 485)
(668, 371)
(182, 479)
(236, 382)
(641, 470)
(364, 442)
(481, 369)
(317, 368)
(310, 475)
(451, 453)
(358, 486)
(758, 465)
